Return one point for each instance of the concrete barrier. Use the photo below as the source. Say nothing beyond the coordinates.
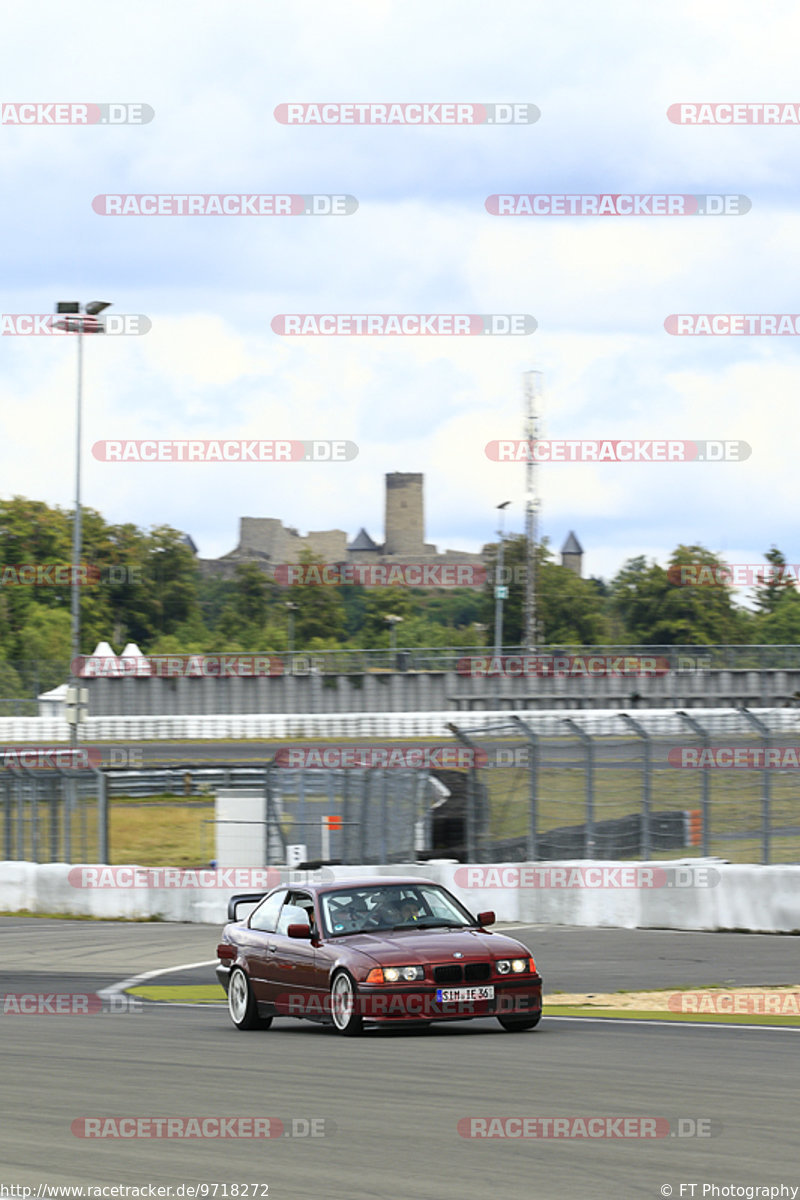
(712, 895)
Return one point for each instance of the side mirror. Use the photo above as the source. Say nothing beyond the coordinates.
(299, 931)
(486, 918)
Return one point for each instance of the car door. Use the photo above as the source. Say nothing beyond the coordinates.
(294, 966)
(258, 944)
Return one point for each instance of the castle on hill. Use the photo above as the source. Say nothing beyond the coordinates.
(268, 543)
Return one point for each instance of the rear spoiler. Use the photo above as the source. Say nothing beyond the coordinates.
(243, 898)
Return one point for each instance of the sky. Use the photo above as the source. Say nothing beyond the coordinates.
(421, 241)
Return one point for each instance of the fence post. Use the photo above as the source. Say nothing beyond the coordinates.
(384, 813)
(102, 815)
(272, 821)
(766, 785)
(588, 746)
(344, 832)
(533, 780)
(705, 777)
(364, 815)
(18, 780)
(472, 848)
(8, 824)
(302, 820)
(33, 793)
(54, 820)
(647, 780)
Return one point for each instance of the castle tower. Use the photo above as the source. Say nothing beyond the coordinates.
(405, 522)
(572, 554)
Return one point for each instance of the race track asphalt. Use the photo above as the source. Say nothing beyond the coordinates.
(392, 1100)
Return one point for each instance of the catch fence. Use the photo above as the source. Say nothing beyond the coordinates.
(540, 787)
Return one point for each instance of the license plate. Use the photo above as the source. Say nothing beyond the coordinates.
(444, 995)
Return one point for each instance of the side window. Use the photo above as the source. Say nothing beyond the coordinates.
(298, 909)
(265, 916)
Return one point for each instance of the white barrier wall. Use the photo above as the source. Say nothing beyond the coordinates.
(46, 731)
(742, 897)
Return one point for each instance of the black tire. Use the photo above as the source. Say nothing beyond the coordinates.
(344, 1003)
(519, 1024)
(242, 1007)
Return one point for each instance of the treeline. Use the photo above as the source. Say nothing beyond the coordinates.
(150, 591)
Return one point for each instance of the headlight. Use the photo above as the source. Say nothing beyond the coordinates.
(408, 974)
(518, 965)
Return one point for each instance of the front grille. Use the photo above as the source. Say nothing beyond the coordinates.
(456, 973)
(448, 974)
(477, 970)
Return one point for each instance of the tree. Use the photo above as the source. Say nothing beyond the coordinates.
(252, 593)
(320, 611)
(781, 625)
(659, 610)
(778, 583)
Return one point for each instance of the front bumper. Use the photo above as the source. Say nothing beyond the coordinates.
(391, 1005)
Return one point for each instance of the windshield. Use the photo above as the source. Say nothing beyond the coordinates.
(392, 906)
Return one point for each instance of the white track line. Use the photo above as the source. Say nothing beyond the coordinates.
(115, 988)
(672, 1024)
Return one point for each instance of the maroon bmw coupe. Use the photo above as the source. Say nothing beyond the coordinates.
(379, 951)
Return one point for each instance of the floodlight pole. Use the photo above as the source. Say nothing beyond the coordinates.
(76, 547)
(75, 321)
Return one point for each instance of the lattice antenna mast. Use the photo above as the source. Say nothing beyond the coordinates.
(532, 386)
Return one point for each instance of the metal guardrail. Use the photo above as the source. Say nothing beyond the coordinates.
(546, 787)
(447, 658)
(39, 675)
(725, 785)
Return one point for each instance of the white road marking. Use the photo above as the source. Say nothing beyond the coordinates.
(672, 1024)
(115, 988)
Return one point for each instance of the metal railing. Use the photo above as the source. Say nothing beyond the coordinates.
(37, 676)
(727, 787)
(546, 787)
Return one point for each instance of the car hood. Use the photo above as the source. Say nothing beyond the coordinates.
(406, 947)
